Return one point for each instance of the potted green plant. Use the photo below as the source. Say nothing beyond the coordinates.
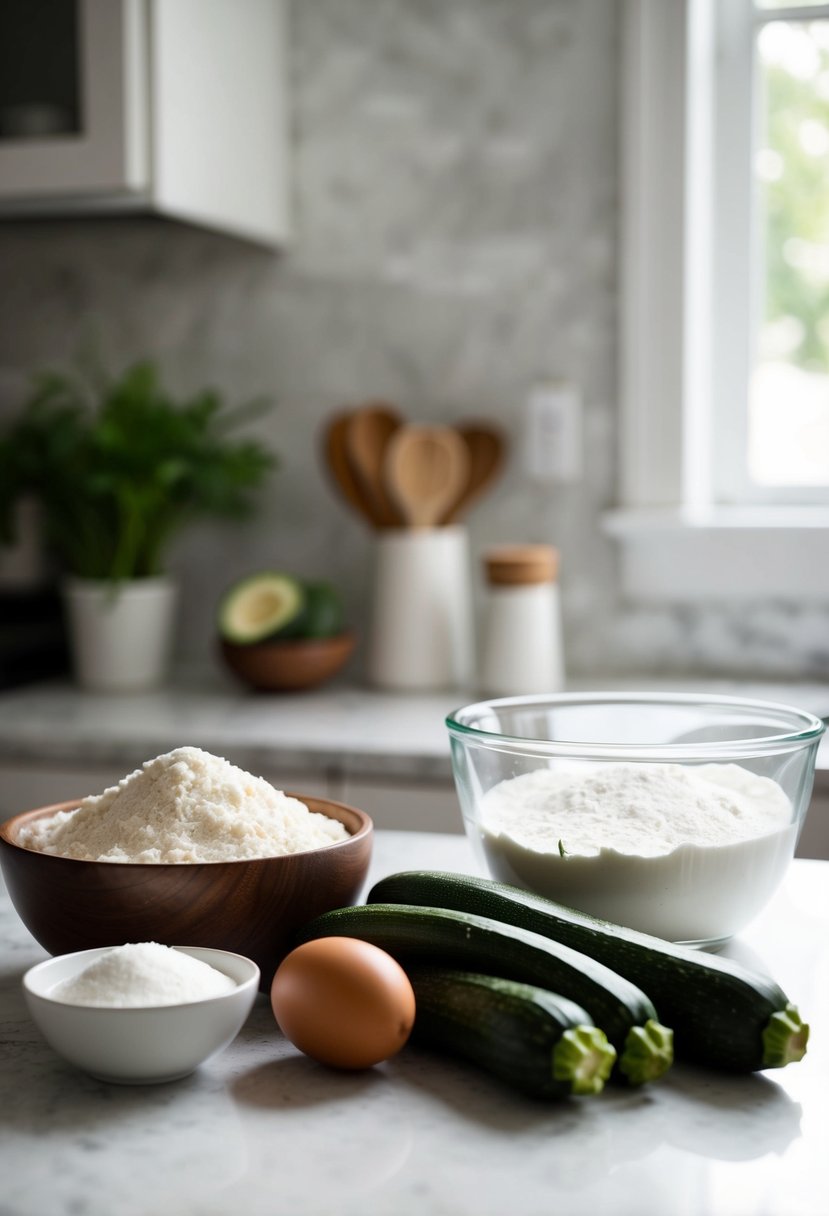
(119, 468)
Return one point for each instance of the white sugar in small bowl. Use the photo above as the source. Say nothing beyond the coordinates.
(144, 1045)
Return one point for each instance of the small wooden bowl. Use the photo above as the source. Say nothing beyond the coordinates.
(252, 907)
(291, 665)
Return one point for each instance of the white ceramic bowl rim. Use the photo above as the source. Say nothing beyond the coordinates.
(34, 973)
(804, 728)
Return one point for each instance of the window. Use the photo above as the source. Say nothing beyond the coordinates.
(771, 188)
(725, 299)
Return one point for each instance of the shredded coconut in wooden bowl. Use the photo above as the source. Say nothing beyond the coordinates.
(184, 806)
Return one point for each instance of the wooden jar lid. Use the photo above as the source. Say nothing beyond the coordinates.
(518, 565)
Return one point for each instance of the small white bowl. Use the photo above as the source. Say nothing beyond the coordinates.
(146, 1045)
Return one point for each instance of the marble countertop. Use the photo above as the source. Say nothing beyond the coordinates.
(341, 728)
(263, 1130)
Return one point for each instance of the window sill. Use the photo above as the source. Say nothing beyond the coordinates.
(668, 556)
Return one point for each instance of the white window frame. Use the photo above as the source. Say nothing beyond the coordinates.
(676, 543)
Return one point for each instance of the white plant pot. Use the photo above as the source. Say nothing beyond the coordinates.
(121, 637)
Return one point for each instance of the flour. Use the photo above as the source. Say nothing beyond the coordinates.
(184, 806)
(687, 853)
(645, 809)
(142, 974)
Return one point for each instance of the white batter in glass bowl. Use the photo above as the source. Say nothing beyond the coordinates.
(674, 815)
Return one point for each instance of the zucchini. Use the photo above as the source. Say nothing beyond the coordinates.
(475, 943)
(535, 1041)
(723, 1015)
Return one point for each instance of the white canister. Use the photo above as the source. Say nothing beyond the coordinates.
(522, 648)
(421, 629)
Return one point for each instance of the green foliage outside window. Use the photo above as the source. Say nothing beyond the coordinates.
(795, 200)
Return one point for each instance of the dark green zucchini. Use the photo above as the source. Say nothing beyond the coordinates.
(474, 943)
(723, 1015)
(532, 1039)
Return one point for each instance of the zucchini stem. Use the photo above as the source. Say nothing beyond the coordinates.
(784, 1038)
(648, 1052)
(583, 1057)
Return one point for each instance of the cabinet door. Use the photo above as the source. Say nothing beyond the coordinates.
(403, 806)
(219, 120)
(814, 839)
(73, 99)
(28, 785)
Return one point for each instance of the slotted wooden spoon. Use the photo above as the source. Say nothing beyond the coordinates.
(425, 470)
(486, 447)
(369, 431)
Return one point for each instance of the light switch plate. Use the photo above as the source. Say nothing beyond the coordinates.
(553, 433)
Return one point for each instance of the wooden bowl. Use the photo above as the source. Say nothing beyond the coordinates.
(288, 666)
(252, 907)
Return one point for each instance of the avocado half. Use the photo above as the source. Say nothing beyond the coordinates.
(262, 606)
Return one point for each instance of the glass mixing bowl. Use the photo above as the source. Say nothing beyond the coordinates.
(676, 815)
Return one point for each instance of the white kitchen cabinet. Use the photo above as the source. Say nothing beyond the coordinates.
(814, 839)
(25, 786)
(391, 804)
(171, 106)
(403, 806)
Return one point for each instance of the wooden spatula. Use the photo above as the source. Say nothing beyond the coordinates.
(425, 470)
(337, 461)
(368, 433)
(486, 446)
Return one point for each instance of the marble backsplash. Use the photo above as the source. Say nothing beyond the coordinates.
(455, 180)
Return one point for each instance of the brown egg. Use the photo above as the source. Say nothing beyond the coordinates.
(343, 1002)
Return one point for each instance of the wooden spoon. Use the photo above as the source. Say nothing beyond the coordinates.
(426, 469)
(486, 447)
(368, 433)
(338, 463)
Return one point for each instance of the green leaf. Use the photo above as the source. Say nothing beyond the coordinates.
(120, 466)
